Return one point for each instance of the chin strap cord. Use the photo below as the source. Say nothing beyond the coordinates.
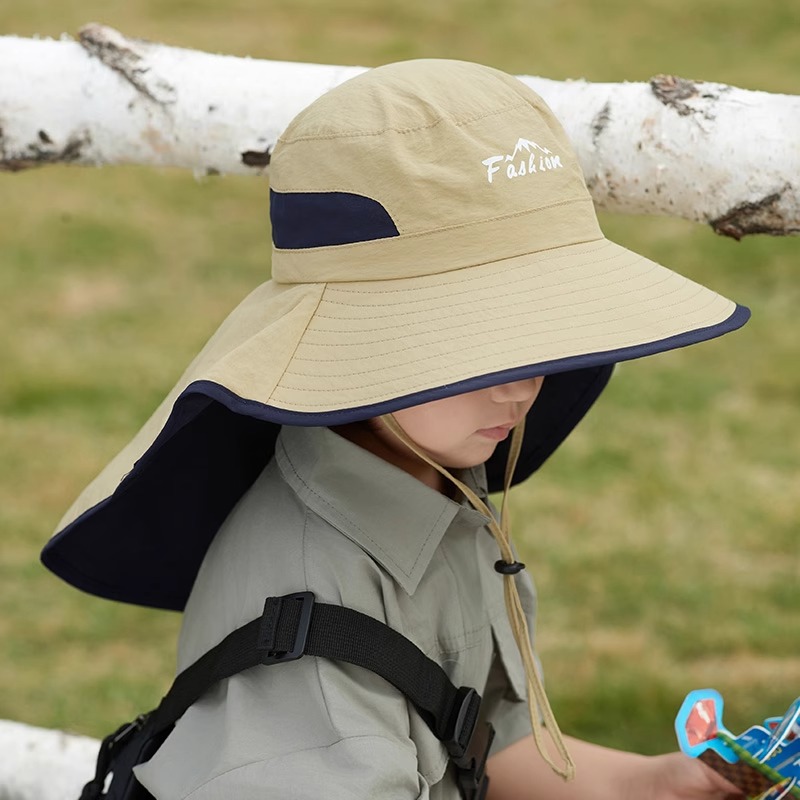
(508, 566)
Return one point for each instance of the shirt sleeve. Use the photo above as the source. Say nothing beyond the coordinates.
(314, 728)
(350, 769)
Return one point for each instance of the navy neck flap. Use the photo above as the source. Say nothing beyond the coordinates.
(144, 544)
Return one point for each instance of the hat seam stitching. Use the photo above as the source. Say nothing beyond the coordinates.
(483, 357)
(297, 344)
(501, 298)
(501, 305)
(550, 308)
(465, 281)
(402, 131)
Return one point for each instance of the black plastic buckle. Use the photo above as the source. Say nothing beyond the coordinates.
(93, 790)
(267, 637)
(469, 744)
(124, 732)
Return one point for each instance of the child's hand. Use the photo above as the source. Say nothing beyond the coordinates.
(677, 777)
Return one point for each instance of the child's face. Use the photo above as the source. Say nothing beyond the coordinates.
(464, 430)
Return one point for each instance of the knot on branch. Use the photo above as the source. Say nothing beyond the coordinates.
(759, 216)
(672, 91)
(257, 158)
(600, 122)
(111, 48)
(44, 151)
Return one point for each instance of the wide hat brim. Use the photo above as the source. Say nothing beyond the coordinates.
(315, 354)
(380, 345)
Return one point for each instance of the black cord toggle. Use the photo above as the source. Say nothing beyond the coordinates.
(508, 567)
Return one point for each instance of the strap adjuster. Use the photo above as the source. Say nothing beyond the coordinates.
(468, 745)
(280, 612)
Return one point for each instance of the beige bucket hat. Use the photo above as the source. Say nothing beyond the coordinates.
(433, 235)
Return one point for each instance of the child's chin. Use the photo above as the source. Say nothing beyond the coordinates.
(474, 458)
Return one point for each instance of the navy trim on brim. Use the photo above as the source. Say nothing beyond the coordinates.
(145, 543)
(585, 361)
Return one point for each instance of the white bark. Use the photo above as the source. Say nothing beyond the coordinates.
(39, 764)
(105, 99)
(703, 151)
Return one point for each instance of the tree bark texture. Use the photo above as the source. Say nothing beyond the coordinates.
(703, 151)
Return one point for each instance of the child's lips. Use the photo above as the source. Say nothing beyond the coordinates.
(498, 433)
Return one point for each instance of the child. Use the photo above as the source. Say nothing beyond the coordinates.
(439, 280)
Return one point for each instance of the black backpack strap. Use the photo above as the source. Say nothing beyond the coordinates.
(295, 625)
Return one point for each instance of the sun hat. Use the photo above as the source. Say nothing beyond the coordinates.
(433, 235)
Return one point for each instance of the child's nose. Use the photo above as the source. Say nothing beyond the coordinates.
(516, 392)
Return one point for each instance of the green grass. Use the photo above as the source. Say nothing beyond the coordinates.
(663, 535)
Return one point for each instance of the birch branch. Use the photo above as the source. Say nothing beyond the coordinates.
(40, 764)
(703, 151)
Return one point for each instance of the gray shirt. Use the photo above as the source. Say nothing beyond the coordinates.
(329, 517)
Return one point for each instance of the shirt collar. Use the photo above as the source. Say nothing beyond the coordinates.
(396, 519)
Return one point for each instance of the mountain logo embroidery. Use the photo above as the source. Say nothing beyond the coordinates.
(538, 159)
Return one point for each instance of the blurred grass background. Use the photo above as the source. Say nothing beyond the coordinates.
(663, 535)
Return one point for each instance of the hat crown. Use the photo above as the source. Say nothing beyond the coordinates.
(398, 161)
(406, 96)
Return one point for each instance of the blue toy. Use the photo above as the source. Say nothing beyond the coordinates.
(764, 761)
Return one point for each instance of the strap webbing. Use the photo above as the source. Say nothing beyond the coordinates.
(290, 627)
(333, 632)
